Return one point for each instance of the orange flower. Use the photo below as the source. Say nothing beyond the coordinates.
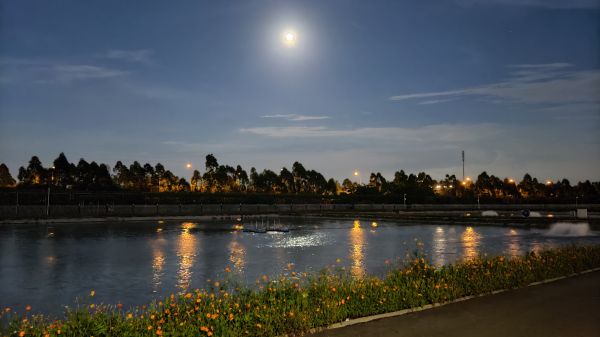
(119, 306)
(227, 270)
(129, 315)
(149, 327)
(21, 333)
(231, 317)
(203, 328)
(28, 308)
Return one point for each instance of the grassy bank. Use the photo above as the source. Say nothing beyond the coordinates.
(300, 302)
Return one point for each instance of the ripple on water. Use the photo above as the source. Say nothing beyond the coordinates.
(298, 241)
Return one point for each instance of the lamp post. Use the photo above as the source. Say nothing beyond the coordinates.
(48, 197)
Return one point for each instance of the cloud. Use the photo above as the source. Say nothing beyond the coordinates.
(441, 132)
(553, 83)
(40, 71)
(559, 4)
(296, 118)
(140, 55)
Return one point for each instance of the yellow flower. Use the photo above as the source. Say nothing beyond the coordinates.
(129, 315)
(92, 293)
(149, 327)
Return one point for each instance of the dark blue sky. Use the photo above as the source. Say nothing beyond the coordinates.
(370, 85)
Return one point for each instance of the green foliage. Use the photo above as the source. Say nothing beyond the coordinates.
(299, 301)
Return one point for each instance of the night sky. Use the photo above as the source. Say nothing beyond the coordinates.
(368, 85)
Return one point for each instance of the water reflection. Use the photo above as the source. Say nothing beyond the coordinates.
(158, 260)
(514, 246)
(357, 240)
(186, 251)
(470, 241)
(439, 247)
(237, 254)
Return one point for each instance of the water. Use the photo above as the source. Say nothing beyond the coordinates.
(48, 267)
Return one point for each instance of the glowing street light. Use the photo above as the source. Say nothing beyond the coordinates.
(188, 165)
(548, 182)
(511, 181)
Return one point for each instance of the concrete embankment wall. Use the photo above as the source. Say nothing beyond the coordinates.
(99, 210)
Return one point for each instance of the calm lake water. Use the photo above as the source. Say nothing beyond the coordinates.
(48, 267)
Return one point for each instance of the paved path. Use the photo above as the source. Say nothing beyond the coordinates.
(569, 307)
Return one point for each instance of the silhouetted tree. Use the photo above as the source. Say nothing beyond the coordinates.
(6, 180)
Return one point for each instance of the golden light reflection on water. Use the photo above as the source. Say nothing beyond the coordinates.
(439, 246)
(470, 242)
(237, 254)
(186, 252)
(158, 260)
(357, 240)
(514, 246)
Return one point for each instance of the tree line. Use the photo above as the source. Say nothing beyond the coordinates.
(223, 179)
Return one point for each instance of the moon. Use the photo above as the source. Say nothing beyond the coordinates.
(289, 38)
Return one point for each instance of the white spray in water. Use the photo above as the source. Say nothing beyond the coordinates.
(489, 213)
(569, 229)
(535, 215)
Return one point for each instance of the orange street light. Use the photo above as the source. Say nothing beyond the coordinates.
(188, 165)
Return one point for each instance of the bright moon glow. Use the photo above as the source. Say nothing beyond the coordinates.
(289, 38)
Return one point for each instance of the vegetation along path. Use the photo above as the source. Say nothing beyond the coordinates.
(567, 307)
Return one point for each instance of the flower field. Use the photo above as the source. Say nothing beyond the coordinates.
(299, 301)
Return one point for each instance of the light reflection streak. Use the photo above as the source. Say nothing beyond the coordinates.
(237, 254)
(186, 251)
(439, 247)
(357, 239)
(514, 247)
(158, 260)
(470, 241)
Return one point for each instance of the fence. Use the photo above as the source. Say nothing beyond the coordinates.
(110, 210)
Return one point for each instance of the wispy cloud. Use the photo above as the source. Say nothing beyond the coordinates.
(442, 132)
(139, 55)
(529, 84)
(40, 71)
(296, 118)
(564, 4)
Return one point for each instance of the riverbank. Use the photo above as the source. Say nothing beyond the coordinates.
(121, 212)
(300, 302)
(530, 311)
(442, 218)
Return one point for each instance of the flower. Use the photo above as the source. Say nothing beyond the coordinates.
(28, 308)
(92, 293)
(21, 333)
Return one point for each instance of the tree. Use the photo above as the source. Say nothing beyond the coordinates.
(196, 181)
(63, 172)
(6, 180)
(35, 174)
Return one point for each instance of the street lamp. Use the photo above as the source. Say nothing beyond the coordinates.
(48, 197)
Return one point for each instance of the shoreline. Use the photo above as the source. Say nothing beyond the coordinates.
(402, 219)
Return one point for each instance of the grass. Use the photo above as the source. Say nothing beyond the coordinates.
(302, 301)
